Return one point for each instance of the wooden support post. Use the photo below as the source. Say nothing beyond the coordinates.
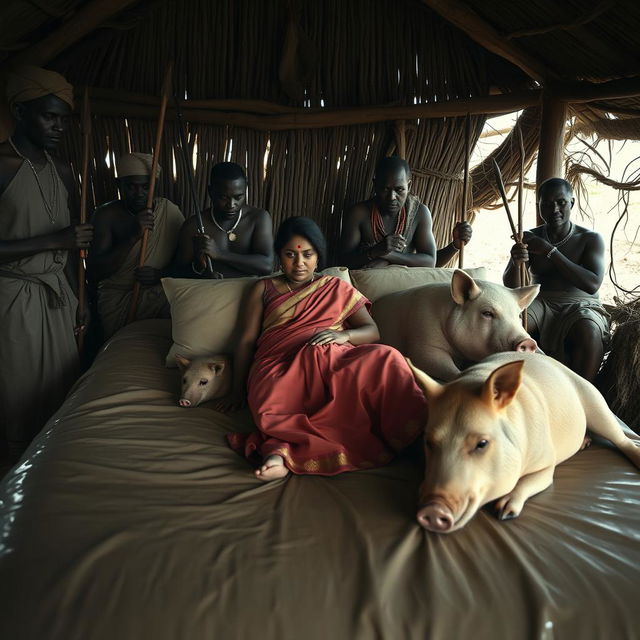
(550, 151)
(400, 133)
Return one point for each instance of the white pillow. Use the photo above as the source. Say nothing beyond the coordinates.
(375, 283)
(204, 313)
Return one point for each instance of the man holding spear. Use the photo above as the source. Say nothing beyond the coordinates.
(567, 261)
(394, 227)
(114, 257)
(38, 258)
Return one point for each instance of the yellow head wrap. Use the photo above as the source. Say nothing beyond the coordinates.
(28, 83)
(135, 164)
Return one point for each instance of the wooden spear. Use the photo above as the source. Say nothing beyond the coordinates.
(85, 128)
(166, 92)
(465, 181)
(522, 265)
(505, 200)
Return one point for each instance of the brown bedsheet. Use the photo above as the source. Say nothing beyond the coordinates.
(129, 518)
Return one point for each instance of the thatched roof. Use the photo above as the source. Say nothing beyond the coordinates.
(308, 94)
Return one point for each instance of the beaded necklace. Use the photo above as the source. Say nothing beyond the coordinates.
(377, 224)
(559, 244)
(50, 209)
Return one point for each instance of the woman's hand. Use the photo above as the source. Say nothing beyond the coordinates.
(328, 336)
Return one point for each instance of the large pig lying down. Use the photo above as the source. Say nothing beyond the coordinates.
(498, 431)
(203, 379)
(443, 328)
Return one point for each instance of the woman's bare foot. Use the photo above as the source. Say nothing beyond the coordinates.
(585, 443)
(272, 468)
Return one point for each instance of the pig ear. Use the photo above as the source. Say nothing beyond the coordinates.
(501, 386)
(463, 287)
(182, 362)
(216, 366)
(429, 386)
(526, 295)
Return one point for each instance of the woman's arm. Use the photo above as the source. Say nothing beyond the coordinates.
(362, 329)
(251, 323)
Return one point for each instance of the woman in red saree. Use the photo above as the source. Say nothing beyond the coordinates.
(324, 400)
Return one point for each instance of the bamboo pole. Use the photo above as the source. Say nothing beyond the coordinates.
(85, 126)
(166, 92)
(465, 181)
(522, 266)
(505, 200)
(192, 187)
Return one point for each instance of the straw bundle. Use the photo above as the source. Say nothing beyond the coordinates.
(507, 155)
(619, 378)
(611, 129)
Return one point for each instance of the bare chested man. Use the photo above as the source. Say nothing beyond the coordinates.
(567, 261)
(114, 257)
(238, 238)
(38, 257)
(394, 227)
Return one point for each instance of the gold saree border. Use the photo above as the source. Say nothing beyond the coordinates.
(286, 309)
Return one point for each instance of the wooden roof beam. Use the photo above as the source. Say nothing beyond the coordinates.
(592, 91)
(314, 118)
(88, 18)
(464, 18)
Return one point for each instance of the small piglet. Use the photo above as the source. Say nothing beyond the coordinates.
(203, 379)
(498, 431)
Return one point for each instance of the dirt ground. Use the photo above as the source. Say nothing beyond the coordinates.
(491, 232)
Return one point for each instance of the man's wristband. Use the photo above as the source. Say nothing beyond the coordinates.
(551, 252)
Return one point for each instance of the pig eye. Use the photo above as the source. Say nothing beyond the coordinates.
(482, 444)
(488, 314)
(203, 381)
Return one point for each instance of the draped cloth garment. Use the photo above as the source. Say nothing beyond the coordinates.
(114, 292)
(553, 313)
(331, 408)
(38, 352)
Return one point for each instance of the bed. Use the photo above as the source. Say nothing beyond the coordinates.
(130, 518)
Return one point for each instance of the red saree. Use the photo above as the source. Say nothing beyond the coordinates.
(331, 408)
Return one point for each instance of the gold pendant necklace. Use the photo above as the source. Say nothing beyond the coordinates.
(231, 236)
(53, 208)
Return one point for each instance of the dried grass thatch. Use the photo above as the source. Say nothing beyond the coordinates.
(364, 53)
(619, 379)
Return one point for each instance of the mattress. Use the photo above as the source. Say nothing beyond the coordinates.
(130, 518)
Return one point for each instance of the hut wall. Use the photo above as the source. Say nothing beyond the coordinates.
(361, 52)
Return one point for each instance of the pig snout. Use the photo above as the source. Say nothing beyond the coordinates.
(526, 345)
(183, 402)
(436, 517)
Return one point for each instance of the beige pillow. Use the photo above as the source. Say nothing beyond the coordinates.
(204, 313)
(375, 283)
